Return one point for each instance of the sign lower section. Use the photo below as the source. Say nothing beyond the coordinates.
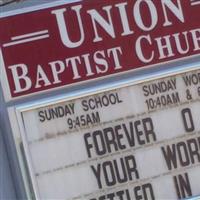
(42, 49)
(136, 142)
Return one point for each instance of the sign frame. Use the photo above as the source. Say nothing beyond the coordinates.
(18, 129)
(18, 105)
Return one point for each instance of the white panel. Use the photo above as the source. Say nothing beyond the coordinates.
(132, 138)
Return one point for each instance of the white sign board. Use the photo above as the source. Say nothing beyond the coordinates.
(136, 142)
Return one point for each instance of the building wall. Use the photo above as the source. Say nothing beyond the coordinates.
(7, 189)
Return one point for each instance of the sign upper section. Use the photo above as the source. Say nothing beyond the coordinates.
(81, 41)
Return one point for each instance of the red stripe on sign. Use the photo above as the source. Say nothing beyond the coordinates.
(71, 43)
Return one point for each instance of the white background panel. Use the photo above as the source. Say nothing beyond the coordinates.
(31, 125)
(194, 174)
(168, 123)
(59, 155)
(164, 188)
(59, 152)
(150, 162)
(136, 99)
(67, 183)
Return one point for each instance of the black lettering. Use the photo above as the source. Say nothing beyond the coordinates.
(137, 191)
(170, 156)
(97, 174)
(139, 133)
(175, 97)
(131, 167)
(130, 136)
(120, 194)
(98, 102)
(127, 195)
(53, 113)
(112, 99)
(149, 129)
(99, 151)
(121, 177)
(182, 185)
(91, 103)
(183, 154)
(96, 117)
(110, 139)
(118, 99)
(88, 146)
(145, 90)
(111, 196)
(109, 177)
(148, 191)
(193, 150)
(144, 192)
(85, 106)
(119, 137)
(187, 119)
(41, 115)
(105, 100)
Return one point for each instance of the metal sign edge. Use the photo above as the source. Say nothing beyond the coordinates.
(36, 8)
(16, 111)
